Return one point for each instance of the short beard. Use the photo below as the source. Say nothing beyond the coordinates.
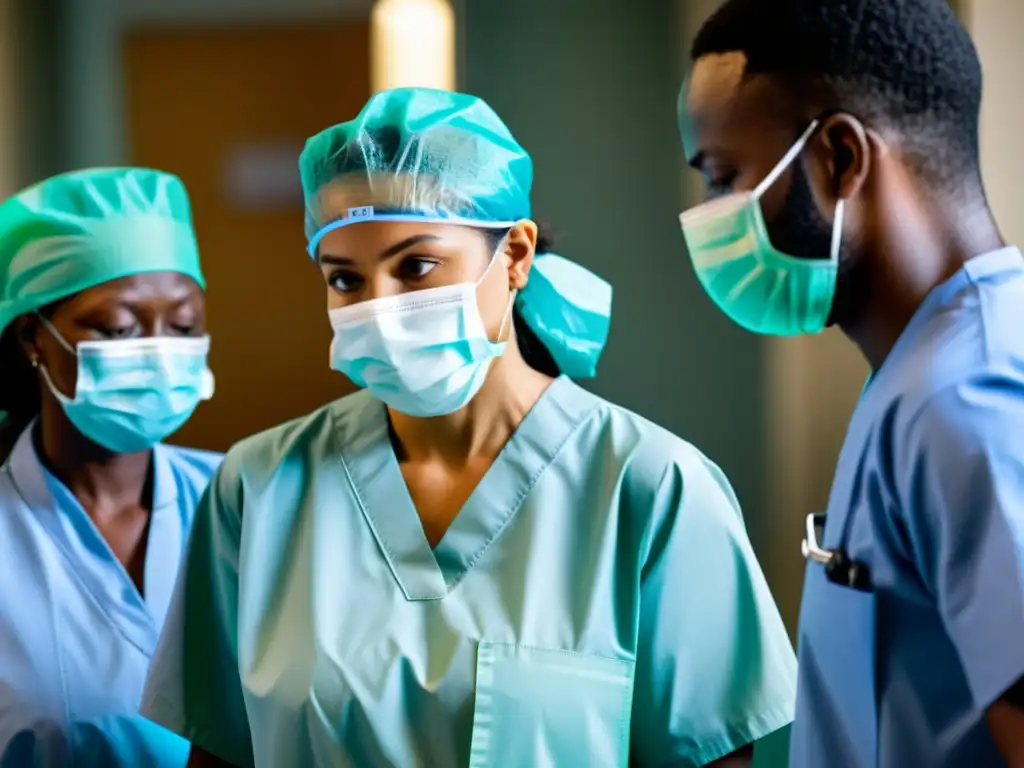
(800, 230)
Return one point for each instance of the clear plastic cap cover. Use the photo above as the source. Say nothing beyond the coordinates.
(416, 153)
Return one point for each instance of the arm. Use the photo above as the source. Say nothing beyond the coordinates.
(194, 687)
(202, 759)
(964, 501)
(741, 758)
(1005, 721)
(715, 669)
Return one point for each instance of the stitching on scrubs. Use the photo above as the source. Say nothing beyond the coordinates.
(566, 651)
(357, 491)
(582, 416)
(751, 730)
(626, 713)
(514, 506)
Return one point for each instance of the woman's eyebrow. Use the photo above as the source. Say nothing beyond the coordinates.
(387, 253)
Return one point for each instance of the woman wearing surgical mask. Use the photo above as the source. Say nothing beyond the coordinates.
(474, 561)
(102, 356)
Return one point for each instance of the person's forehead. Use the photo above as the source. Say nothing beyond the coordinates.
(163, 287)
(720, 104)
(370, 238)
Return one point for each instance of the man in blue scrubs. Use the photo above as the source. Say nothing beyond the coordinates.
(840, 142)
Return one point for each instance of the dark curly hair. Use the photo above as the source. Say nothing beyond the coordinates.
(905, 65)
(19, 391)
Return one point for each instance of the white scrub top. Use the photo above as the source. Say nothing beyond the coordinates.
(596, 599)
(76, 638)
(929, 495)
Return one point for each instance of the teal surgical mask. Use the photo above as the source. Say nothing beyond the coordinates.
(131, 394)
(424, 353)
(759, 287)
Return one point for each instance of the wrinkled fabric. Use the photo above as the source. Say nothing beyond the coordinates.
(76, 637)
(415, 154)
(570, 310)
(596, 598)
(929, 494)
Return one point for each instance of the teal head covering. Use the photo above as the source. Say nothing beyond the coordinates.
(79, 229)
(418, 154)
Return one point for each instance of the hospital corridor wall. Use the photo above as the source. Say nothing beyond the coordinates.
(599, 119)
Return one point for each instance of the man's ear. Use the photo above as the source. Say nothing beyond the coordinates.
(520, 246)
(849, 151)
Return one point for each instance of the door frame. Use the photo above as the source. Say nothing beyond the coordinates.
(93, 33)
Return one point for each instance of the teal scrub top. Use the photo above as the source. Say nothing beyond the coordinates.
(76, 637)
(595, 601)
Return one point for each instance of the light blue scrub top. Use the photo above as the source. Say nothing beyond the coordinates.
(929, 493)
(76, 638)
(596, 597)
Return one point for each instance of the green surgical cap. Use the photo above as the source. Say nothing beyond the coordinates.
(80, 229)
(416, 154)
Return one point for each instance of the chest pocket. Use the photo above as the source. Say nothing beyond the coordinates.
(548, 709)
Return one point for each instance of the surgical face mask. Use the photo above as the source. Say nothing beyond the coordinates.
(753, 282)
(131, 394)
(424, 353)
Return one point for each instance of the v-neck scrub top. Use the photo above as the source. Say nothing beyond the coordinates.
(929, 496)
(595, 600)
(76, 637)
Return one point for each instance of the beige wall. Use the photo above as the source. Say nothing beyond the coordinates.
(998, 28)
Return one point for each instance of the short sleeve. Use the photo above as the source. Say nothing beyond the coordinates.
(715, 668)
(962, 473)
(194, 687)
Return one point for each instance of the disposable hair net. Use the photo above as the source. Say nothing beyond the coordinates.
(80, 229)
(416, 154)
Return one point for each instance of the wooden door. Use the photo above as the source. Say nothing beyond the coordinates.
(227, 110)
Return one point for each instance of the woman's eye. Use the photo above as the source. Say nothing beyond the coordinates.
(414, 268)
(183, 329)
(344, 282)
(116, 332)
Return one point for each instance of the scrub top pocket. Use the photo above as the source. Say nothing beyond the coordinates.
(550, 709)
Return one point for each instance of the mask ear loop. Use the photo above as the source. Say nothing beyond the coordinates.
(508, 316)
(56, 334)
(837, 231)
(786, 160)
(41, 366)
(512, 296)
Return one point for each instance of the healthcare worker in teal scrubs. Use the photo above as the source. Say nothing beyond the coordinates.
(474, 561)
(102, 355)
